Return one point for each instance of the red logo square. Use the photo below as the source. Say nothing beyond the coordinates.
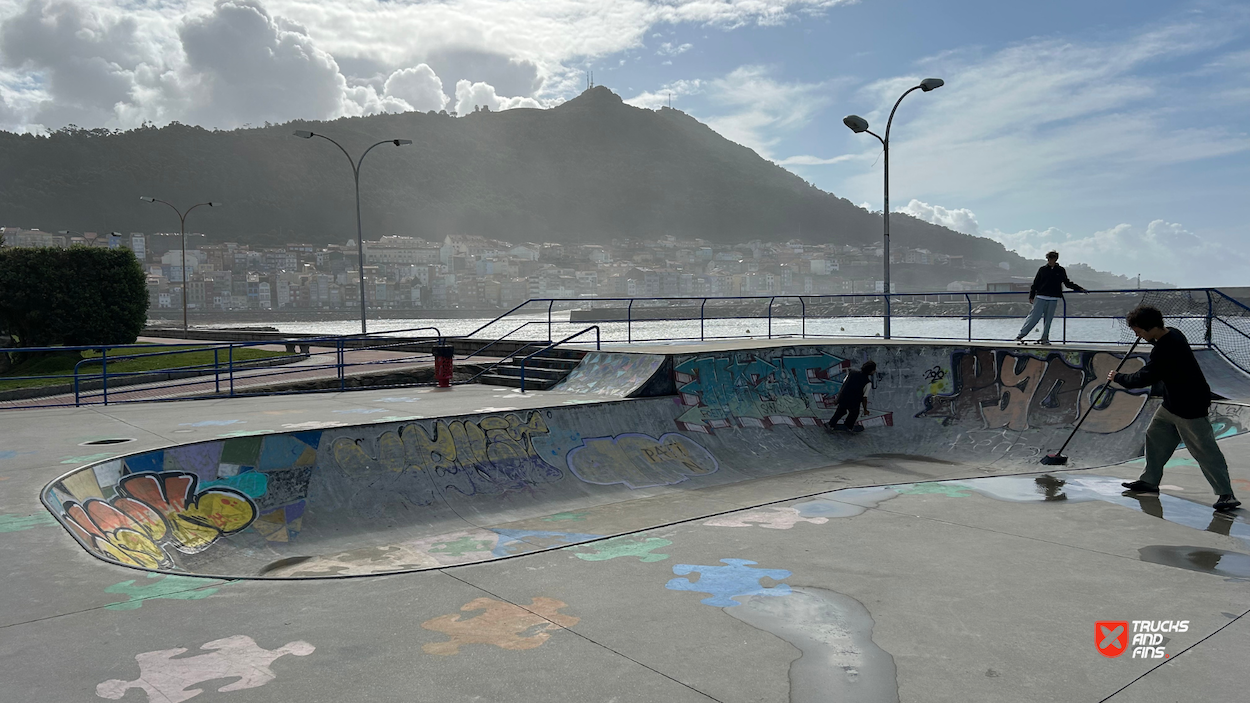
(1111, 637)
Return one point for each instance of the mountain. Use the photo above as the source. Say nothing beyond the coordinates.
(590, 169)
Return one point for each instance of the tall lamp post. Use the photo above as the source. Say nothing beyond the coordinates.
(360, 243)
(182, 219)
(858, 125)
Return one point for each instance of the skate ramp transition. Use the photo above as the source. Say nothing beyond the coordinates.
(428, 493)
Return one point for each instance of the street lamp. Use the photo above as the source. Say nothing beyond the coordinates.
(182, 219)
(360, 244)
(859, 125)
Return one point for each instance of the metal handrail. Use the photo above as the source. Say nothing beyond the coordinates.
(553, 345)
(493, 343)
(504, 360)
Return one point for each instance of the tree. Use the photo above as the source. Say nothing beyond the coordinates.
(73, 297)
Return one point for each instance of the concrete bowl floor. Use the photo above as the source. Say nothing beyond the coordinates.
(892, 586)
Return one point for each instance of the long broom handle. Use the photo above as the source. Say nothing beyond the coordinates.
(1098, 397)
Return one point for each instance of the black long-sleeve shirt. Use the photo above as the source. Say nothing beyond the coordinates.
(1050, 281)
(1172, 363)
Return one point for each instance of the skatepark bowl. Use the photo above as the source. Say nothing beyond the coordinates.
(668, 523)
(430, 493)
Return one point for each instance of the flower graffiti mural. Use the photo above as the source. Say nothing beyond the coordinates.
(152, 511)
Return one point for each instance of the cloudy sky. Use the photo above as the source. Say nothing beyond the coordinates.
(1116, 130)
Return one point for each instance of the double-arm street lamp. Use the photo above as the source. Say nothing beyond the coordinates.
(858, 125)
(182, 219)
(360, 244)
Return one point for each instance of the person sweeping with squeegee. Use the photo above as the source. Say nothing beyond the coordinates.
(1183, 416)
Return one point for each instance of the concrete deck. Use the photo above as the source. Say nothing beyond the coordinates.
(866, 581)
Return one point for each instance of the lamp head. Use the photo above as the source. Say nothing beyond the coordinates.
(931, 84)
(402, 142)
(856, 123)
(303, 134)
(63, 231)
(146, 199)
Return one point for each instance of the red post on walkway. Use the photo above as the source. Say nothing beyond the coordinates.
(443, 357)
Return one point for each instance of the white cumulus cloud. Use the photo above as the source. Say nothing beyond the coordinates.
(473, 95)
(1163, 251)
(418, 86)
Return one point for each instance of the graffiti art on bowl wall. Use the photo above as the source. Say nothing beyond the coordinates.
(1001, 388)
(147, 509)
(489, 455)
(790, 387)
(152, 511)
(639, 460)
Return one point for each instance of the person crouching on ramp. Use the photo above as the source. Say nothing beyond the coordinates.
(853, 394)
(1183, 416)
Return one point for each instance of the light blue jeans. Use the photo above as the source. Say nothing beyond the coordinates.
(1041, 308)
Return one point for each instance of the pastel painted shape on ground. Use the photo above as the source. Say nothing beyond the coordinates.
(168, 587)
(17, 523)
(500, 623)
(169, 680)
(626, 547)
(783, 518)
(724, 583)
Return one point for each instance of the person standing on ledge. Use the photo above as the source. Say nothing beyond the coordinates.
(1183, 416)
(1044, 295)
(854, 392)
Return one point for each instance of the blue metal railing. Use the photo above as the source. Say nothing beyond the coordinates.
(1214, 309)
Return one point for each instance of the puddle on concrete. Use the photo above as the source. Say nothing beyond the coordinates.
(1210, 561)
(1045, 488)
(840, 662)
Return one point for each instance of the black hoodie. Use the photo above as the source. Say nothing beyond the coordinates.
(1172, 363)
(1050, 281)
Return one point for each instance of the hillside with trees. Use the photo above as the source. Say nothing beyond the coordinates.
(589, 170)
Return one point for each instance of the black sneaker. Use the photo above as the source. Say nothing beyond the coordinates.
(1227, 502)
(1141, 487)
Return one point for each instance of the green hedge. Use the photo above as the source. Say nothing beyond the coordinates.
(73, 297)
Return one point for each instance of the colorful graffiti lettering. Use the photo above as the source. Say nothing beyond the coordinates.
(167, 679)
(757, 389)
(152, 510)
(1002, 389)
(639, 460)
(491, 455)
(502, 624)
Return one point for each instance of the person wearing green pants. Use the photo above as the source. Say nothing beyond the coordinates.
(1183, 417)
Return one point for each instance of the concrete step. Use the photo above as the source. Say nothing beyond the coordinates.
(530, 372)
(531, 384)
